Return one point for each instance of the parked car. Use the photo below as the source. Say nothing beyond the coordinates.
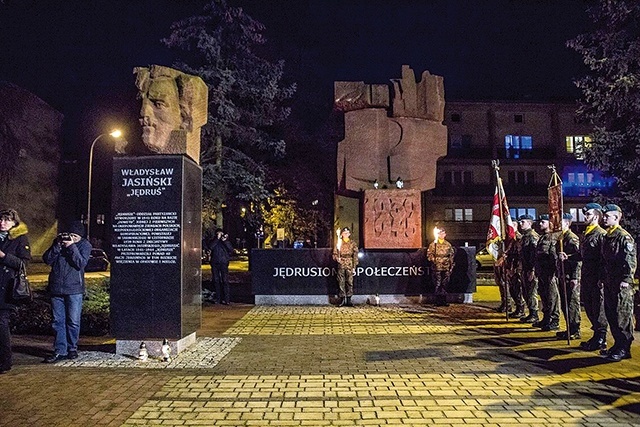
(206, 256)
(484, 259)
(98, 261)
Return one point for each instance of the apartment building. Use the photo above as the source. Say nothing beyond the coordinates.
(527, 138)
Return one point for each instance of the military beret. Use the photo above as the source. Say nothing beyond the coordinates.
(567, 216)
(521, 217)
(611, 207)
(590, 206)
(543, 217)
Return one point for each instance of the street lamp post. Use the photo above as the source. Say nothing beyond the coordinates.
(114, 134)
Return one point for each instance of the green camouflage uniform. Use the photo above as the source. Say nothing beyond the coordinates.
(592, 272)
(569, 275)
(529, 280)
(513, 271)
(546, 259)
(619, 255)
(441, 257)
(347, 259)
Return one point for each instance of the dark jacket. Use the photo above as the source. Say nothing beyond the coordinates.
(17, 250)
(67, 267)
(221, 251)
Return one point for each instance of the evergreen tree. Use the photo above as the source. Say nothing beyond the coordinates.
(611, 99)
(246, 99)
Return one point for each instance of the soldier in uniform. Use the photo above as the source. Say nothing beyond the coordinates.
(546, 260)
(619, 256)
(346, 255)
(591, 287)
(440, 253)
(569, 264)
(513, 271)
(528, 259)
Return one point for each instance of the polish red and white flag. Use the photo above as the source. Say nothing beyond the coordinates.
(501, 226)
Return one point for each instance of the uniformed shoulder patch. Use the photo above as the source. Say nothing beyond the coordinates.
(630, 246)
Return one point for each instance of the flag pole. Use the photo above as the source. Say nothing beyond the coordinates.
(555, 179)
(496, 167)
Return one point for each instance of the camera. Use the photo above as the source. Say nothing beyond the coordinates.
(65, 237)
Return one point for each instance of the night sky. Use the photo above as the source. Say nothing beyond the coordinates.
(78, 55)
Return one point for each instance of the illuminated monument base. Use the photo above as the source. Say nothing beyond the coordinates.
(156, 268)
(308, 276)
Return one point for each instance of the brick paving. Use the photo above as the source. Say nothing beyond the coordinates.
(314, 366)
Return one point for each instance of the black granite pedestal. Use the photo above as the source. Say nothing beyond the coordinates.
(308, 276)
(157, 239)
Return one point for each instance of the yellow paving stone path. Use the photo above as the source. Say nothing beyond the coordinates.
(462, 365)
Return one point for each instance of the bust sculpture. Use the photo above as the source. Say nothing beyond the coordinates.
(173, 109)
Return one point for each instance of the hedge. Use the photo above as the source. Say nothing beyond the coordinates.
(35, 317)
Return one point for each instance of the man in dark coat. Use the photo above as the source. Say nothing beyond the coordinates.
(221, 251)
(14, 251)
(68, 256)
(619, 256)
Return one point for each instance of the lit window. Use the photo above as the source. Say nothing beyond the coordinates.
(459, 214)
(577, 213)
(576, 145)
(518, 212)
(100, 219)
(578, 181)
(515, 144)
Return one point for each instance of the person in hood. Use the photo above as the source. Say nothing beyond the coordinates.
(68, 257)
(14, 251)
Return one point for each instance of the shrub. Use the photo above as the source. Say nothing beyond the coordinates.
(35, 318)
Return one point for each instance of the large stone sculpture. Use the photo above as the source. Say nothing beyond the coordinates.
(174, 108)
(378, 148)
(395, 151)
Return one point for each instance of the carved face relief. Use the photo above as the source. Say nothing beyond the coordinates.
(160, 113)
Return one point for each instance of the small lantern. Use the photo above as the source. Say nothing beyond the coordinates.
(143, 354)
(166, 351)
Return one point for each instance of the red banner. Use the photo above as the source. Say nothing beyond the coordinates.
(555, 207)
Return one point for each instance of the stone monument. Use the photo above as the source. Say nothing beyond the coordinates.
(391, 144)
(157, 225)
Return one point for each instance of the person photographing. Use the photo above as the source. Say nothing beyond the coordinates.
(68, 256)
